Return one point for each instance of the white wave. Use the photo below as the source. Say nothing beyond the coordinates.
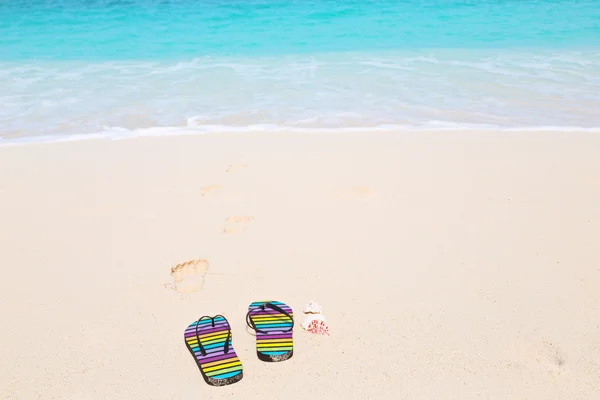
(118, 133)
(503, 88)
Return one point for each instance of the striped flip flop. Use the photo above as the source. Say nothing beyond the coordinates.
(209, 341)
(273, 322)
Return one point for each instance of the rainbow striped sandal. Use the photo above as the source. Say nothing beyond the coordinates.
(273, 322)
(209, 341)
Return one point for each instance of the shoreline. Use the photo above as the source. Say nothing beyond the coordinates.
(118, 134)
(449, 264)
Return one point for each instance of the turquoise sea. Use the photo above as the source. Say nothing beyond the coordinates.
(116, 68)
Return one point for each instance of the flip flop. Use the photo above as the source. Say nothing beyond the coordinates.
(273, 322)
(209, 341)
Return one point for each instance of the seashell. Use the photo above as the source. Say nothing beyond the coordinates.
(312, 317)
(313, 308)
(316, 324)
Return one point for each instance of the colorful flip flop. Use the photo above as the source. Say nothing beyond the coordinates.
(209, 341)
(273, 322)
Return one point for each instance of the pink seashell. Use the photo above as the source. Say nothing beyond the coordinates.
(308, 318)
(318, 327)
(316, 324)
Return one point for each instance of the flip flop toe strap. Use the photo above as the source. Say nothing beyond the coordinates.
(227, 340)
(262, 307)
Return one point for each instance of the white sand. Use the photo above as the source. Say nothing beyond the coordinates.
(449, 265)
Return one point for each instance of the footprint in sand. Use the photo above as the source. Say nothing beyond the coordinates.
(210, 190)
(188, 276)
(237, 224)
(236, 167)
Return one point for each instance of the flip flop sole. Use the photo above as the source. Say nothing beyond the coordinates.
(217, 367)
(274, 339)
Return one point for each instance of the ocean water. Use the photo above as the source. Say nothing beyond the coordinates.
(115, 68)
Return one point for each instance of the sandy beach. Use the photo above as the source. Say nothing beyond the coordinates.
(450, 265)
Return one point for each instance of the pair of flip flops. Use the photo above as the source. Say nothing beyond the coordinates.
(210, 342)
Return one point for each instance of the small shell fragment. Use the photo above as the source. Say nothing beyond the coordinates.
(313, 308)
